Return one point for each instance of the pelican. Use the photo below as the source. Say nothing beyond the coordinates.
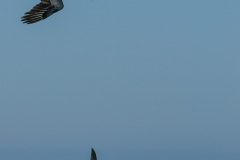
(93, 155)
(42, 10)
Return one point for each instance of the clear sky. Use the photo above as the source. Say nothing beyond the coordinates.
(135, 79)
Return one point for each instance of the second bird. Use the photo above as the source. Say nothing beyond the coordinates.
(42, 10)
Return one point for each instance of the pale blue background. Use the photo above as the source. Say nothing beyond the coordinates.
(135, 79)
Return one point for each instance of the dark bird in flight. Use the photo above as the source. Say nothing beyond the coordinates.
(93, 155)
(42, 10)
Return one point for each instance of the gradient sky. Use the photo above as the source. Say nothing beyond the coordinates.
(156, 78)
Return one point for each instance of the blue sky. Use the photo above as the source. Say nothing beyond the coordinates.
(157, 78)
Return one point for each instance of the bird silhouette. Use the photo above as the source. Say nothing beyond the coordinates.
(42, 10)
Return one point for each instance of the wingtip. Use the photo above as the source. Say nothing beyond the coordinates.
(93, 155)
(93, 152)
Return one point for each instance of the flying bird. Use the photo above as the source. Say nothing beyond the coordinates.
(93, 155)
(42, 10)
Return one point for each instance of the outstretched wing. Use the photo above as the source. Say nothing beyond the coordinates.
(42, 10)
(93, 155)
